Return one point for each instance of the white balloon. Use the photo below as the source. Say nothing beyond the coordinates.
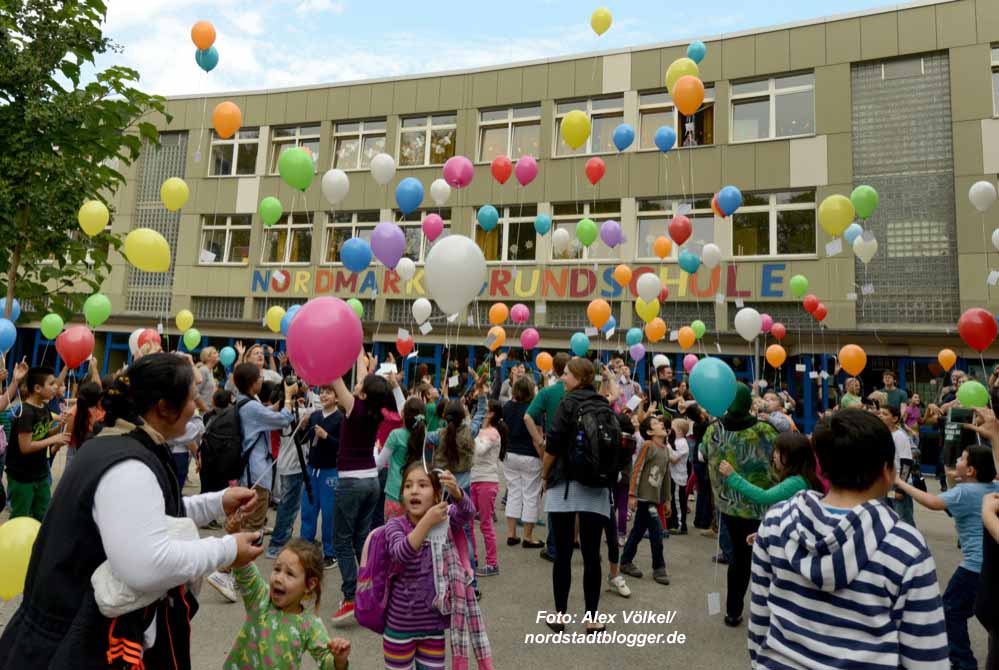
(440, 192)
(133, 340)
(406, 269)
(748, 323)
(455, 272)
(711, 256)
(659, 361)
(865, 249)
(335, 186)
(383, 168)
(560, 240)
(982, 195)
(649, 287)
(421, 310)
(995, 238)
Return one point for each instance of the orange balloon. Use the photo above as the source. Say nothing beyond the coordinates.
(655, 329)
(226, 118)
(662, 246)
(203, 34)
(498, 313)
(622, 275)
(499, 337)
(544, 361)
(686, 337)
(852, 359)
(688, 94)
(947, 359)
(598, 312)
(776, 355)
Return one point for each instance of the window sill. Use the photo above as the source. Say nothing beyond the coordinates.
(223, 265)
(519, 263)
(400, 166)
(773, 139)
(280, 264)
(775, 257)
(590, 155)
(231, 176)
(647, 150)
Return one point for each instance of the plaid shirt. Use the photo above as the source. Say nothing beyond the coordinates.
(468, 628)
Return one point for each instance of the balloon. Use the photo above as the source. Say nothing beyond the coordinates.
(647, 309)
(686, 337)
(609, 326)
(544, 361)
(778, 331)
(810, 303)
(406, 269)
(586, 232)
(623, 136)
(51, 326)
(665, 138)
(97, 309)
(174, 193)
(575, 128)
(715, 208)
(689, 361)
(529, 339)
(836, 213)
(580, 344)
(542, 224)
(776, 355)
(655, 329)
(712, 384)
(498, 313)
(227, 356)
(409, 195)
(388, 243)
(192, 338)
(648, 286)
(610, 233)
(865, 201)
(622, 275)
(852, 232)
(598, 312)
(995, 238)
(75, 345)
(458, 172)
(766, 323)
(696, 52)
(977, 328)
(324, 340)
(973, 394)
(357, 306)
(133, 340)
(799, 285)
(421, 310)
(663, 294)
(289, 318)
(820, 312)
(8, 335)
(439, 192)
(688, 94)
(748, 323)
(93, 217)
(600, 20)
(595, 169)
(15, 309)
(711, 255)
(729, 200)
(698, 327)
(853, 359)
(560, 239)
(662, 247)
(147, 250)
(865, 249)
(226, 119)
(273, 318)
(270, 210)
(947, 359)
(203, 34)
(637, 351)
(149, 336)
(502, 168)
(660, 361)
(184, 319)
(526, 170)
(497, 336)
(488, 217)
(382, 168)
(433, 225)
(982, 195)
(207, 59)
(680, 228)
(688, 262)
(297, 169)
(519, 313)
(679, 68)
(404, 346)
(335, 186)
(633, 337)
(355, 254)
(455, 272)
(17, 537)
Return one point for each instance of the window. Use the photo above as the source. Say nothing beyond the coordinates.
(514, 239)
(417, 244)
(775, 224)
(236, 155)
(289, 240)
(776, 107)
(341, 226)
(654, 215)
(567, 215)
(355, 143)
(655, 110)
(605, 114)
(513, 132)
(212, 308)
(427, 140)
(225, 238)
(995, 81)
(289, 137)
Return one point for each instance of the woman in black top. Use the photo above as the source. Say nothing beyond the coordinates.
(521, 468)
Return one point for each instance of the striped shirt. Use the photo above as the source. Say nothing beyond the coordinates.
(837, 589)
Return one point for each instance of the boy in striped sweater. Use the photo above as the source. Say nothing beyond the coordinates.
(839, 578)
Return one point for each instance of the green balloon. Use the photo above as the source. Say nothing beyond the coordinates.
(356, 305)
(865, 201)
(799, 285)
(192, 338)
(270, 210)
(296, 168)
(586, 232)
(52, 325)
(698, 327)
(973, 394)
(97, 309)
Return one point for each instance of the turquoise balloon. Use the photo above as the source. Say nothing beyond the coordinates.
(633, 337)
(689, 262)
(487, 217)
(227, 356)
(207, 59)
(580, 344)
(712, 384)
(696, 51)
(542, 224)
(852, 232)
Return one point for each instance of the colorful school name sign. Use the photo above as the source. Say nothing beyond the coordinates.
(578, 283)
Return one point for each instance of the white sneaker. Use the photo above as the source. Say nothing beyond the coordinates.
(618, 584)
(225, 585)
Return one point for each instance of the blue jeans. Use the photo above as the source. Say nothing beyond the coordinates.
(323, 500)
(356, 500)
(180, 464)
(903, 508)
(959, 606)
(646, 519)
(291, 493)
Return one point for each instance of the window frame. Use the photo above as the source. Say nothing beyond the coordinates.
(287, 222)
(671, 107)
(771, 94)
(330, 225)
(597, 218)
(994, 58)
(276, 142)
(675, 203)
(510, 122)
(588, 109)
(235, 141)
(772, 208)
(228, 227)
(420, 214)
(505, 220)
(360, 134)
(428, 128)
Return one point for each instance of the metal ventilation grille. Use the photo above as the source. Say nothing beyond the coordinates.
(573, 314)
(401, 312)
(483, 307)
(791, 314)
(679, 314)
(217, 309)
(260, 306)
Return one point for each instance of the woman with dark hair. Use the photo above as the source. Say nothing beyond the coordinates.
(86, 413)
(521, 468)
(121, 504)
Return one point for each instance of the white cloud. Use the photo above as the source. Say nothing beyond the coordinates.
(320, 6)
(249, 22)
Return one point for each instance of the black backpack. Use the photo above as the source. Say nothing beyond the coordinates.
(595, 454)
(222, 445)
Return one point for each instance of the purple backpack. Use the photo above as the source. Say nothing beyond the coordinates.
(374, 577)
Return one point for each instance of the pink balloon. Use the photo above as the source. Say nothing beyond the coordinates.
(766, 322)
(519, 314)
(529, 338)
(526, 170)
(458, 171)
(324, 340)
(433, 226)
(689, 361)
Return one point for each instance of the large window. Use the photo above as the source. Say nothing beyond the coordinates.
(514, 239)
(776, 107)
(775, 224)
(355, 143)
(654, 215)
(512, 132)
(225, 239)
(341, 226)
(289, 137)
(655, 110)
(605, 114)
(417, 244)
(236, 155)
(567, 215)
(995, 81)
(427, 140)
(289, 240)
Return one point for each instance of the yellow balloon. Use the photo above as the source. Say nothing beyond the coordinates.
(184, 320)
(836, 213)
(681, 67)
(600, 20)
(17, 536)
(273, 319)
(147, 250)
(93, 217)
(647, 310)
(174, 193)
(575, 128)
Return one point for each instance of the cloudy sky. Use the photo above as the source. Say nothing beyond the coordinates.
(274, 43)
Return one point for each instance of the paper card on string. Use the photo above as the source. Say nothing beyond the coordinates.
(993, 278)
(207, 256)
(387, 369)
(597, 379)
(540, 308)
(159, 328)
(610, 334)
(634, 402)
(591, 331)
(714, 604)
(739, 303)
(813, 375)
(800, 367)
(835, 247)
(852, 295)
(867, 289)
(452, 318)
(491, 340)
(403, 334)
(471, 320)
(823, 375)
(684, 209)
(412, 354)
(426, 328)
(720, 298)
(718, 346)
(453, 382)
(674, 335)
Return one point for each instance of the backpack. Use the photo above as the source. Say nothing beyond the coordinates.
(374, 575)
(595, 454)
(222, 444)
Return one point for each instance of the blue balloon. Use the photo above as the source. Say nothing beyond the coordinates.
(665, 138)
(8, 335)
(227, 356)
(355, 254)
(609, 326)
(624, 135)
(729, 200)
(15, 310)
(487, 217)
(689, 262)
(207, 59)
(409, 195)
(579, 344)
(633, 337)
(852, 232)
(542, 224)
(696, 51)
(712, 383)
(288, 317)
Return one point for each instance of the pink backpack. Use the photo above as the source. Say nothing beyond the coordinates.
(374, 577)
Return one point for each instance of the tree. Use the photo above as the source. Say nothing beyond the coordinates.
(65, 128)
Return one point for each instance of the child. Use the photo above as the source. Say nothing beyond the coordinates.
(975, 472)
(650, 486)
(679, 451)
(35, 433)
(323, 432)
(793, 460)
(403, 446)
(490, 449)
(891, 417)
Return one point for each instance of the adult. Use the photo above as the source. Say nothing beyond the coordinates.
(521, 468)
(209, 358)
(852, 396)
(516, 373)
(58, 624)
(895, 396)
(661, 389)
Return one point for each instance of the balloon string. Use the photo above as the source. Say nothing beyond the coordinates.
(981, 358)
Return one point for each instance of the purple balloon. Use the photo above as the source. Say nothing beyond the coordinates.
(458, 171)
(388, 242)
(637, 352)
(610, 233)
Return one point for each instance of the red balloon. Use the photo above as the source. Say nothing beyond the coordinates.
(595, 169)
(404, 346)
(502, 168)
(778, 330)
(149, 335)
(978, 328)
(820, 312)
(663, 294)
(680, 229)
(810, 303)
(75, 345)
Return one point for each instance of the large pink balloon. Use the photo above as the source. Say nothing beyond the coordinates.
(324, 340)
(519, 313)
(766, 323)
(526, 170)
(458, 171)
(529, 338)
(689, 361)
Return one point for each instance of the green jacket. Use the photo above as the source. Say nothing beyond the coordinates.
(748, 449)
(770, 496)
